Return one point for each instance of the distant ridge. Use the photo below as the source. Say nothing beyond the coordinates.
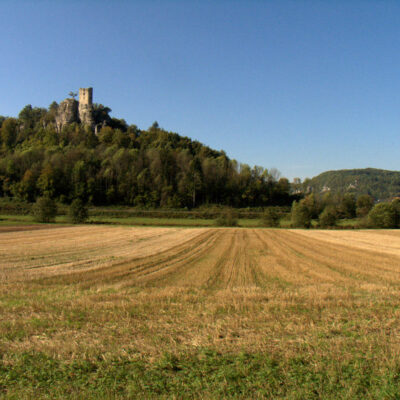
(379, 183)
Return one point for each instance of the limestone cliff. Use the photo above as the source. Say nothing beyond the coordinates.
(67, 113)
(70, 110)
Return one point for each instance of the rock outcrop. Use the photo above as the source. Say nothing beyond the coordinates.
(67, 113)
(71, 110)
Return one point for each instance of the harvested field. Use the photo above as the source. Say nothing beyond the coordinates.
(323, 302)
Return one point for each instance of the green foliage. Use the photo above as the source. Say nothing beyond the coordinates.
(328, 217)
(78, 212)
(348, 206)
(383, 215)
(378, 183)
(396, 207)
(270, 217)
(227, 218)
(312, 204)
(300, 215)
(215, 375)
(364, 205)
(125, 165)
(9, 132)
(44, 210)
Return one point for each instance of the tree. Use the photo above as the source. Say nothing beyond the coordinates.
(44, 210)
(270, 217)
(106, 135)
(27, 187)
(383, 215)
(311, 203)
(195, 179)
(101, 114)
(227, 218)
(78, 212)
(396, 208)
(300, 215)
(364, 204)
(348, 205)
(328, 217)
(79, 180)
(9, 132)
(72, 94)
(30, 118)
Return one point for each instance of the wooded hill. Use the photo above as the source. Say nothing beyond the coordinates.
(124, 165)
(378, 183)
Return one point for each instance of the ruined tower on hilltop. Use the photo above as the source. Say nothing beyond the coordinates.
(71, 110)
(86, 106)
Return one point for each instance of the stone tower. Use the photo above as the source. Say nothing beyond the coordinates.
(86, 96)
(86, 106)
(70, 110)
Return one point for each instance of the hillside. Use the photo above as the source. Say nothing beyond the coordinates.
(76, 150)
(380, 184)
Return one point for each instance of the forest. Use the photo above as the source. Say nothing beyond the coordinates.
(378, 183)
(124, 165)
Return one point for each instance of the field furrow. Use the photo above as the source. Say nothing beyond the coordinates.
(98, 292)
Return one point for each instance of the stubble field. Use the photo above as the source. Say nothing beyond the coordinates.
(122, 312)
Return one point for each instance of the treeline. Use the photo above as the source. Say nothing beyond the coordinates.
(124, 165)
(326, 210)
(378, 183)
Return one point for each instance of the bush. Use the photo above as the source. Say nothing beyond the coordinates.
(270, 217)
(44, 210)
(396, 208)
(78, 212)
(348, 206)
(328, 217)
(300, 216)
(364, 205)
(383, 215)
(227, 218)
(312, 204)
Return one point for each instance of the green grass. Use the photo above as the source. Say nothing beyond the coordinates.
(354, 222)
(153, 221)
(16, 220)
(204, 374)
(133, 221)
(147, 221)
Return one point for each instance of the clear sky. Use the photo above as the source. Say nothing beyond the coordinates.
(303, 86)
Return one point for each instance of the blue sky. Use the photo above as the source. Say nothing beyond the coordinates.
(303, 86)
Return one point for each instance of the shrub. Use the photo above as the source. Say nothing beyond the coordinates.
(78, 212)
(227, 218)
(396, 208)
(312, 204)
(328, 217)
(270, 217)
(364, 205)
(44, 210)
(348, 206)
(383, 215)
(300, 216)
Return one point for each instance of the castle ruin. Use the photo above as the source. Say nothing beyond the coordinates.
(86, 107)
(71, 110)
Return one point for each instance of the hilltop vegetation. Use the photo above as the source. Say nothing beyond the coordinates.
(378, 183)
(124, 165)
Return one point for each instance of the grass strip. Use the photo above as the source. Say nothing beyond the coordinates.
(206, 374)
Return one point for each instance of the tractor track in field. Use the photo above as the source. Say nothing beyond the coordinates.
(212, 258)
(129, 271)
